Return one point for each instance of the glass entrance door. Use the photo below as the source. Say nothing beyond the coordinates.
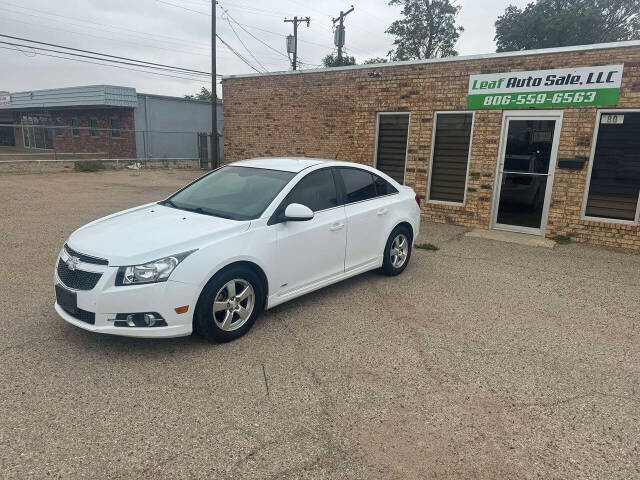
(525, 172)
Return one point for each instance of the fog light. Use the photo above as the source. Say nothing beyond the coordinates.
(149, 319)
(146, 319)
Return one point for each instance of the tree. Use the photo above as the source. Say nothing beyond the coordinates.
(427, 30)
(558, 23)
(332, 60)
(375, 60)
(204, 94)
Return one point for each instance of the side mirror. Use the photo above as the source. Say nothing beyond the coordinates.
(296, 212)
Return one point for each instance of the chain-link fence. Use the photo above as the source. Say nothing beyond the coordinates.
(37, 140)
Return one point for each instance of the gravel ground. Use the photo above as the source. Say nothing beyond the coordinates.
(483, 360)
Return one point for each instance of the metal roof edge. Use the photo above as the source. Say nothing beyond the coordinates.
(170, 97)
(71, 88)
(518, 53)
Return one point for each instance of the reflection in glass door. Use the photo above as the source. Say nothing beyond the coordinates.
(525, 173)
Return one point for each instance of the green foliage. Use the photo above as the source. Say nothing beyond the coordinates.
(558, 23)
(88, 166)
(561, 239)
(375, 60)
(427, 246)
(332, 60)
(204, 94)
(427, 30)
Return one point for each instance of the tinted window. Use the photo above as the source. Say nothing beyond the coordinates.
(239, 193)
(358, 184)
(383, 187)
(393, 133)
(615, 173)
(316, 191)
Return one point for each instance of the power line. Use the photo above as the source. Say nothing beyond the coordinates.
(251, 34)
(119, 40)
(237, 54)
(183, 8)
(39, 49)
(97, 25)
(244, 45)
(172, 67)
(105, 65)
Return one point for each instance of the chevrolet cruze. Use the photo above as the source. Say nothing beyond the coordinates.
(243, 238)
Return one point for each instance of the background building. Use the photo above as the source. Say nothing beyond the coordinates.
(545, 142)
(102, 121)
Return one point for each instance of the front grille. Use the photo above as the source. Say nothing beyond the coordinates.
(83, 316)
(77, 279)
(85, 258)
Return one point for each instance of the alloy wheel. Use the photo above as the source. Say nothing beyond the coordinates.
(233, 304)
(399, 250)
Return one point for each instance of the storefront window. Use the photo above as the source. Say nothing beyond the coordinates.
(37, 131)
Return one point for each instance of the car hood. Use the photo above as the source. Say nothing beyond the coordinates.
(149, 232)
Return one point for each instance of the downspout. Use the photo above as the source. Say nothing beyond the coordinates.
(147, 143)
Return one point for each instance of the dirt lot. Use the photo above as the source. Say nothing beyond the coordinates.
(483, 360)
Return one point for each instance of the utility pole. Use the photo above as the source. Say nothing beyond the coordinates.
(292, 42)
(338, 38)
(215, 161)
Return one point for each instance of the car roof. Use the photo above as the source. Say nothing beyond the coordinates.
(287, 164)
(296, 164)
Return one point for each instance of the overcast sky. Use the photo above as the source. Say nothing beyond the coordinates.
(177, 32)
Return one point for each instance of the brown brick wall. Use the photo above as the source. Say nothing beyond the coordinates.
(324, 114)
(103, 145)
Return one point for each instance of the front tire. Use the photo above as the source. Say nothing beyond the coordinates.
(229, 305)
(397, 251)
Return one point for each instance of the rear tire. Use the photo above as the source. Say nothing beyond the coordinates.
(229, 305)
(397, 251)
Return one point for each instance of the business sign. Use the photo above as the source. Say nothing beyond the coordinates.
(5, 100)
(562, 87)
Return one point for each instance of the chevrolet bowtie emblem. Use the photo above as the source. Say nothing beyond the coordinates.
(72, 263)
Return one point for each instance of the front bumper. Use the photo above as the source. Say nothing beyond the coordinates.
(106, 300)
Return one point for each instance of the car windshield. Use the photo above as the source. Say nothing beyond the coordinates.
(237, 193)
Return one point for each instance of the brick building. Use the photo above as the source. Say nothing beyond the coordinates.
(101, 121)
(544, 142)
(97, 120)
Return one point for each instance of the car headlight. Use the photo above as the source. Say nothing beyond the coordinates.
(152, 272)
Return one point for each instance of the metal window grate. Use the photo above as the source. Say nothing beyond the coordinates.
(450, 157)
(615, 175)
(391, 155)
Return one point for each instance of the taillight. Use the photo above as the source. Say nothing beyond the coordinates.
(418, 199)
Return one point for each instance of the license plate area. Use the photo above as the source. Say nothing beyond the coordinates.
(67, 300)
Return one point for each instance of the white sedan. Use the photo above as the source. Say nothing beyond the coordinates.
(243, 238)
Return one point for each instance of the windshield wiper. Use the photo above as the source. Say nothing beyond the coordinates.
(168, 202)
(199, 210)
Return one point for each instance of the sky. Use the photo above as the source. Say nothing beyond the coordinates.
(178, 32)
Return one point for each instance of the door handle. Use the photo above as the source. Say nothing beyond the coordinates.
(382, 211)
(336, 226)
